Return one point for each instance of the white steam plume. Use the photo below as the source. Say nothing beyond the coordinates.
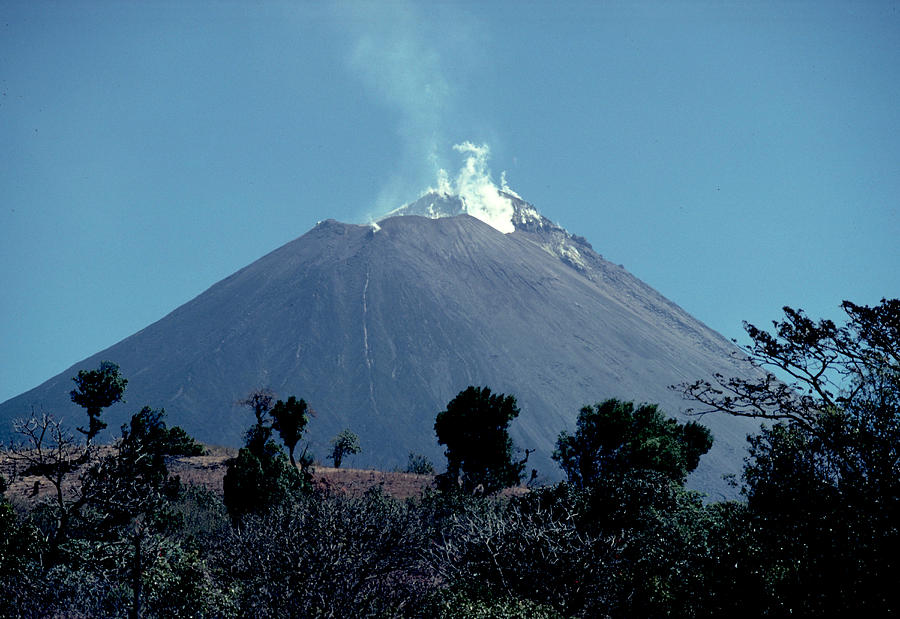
(402, 68)
(397, 53)
(481, 198)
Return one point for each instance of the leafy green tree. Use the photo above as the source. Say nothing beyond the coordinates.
(822, 489)
(289, 419)
(344, 444)
(260, 476)
(474, 428)
(614, 439)
(645, 539)
(254, 484)
(180, 443)
(96, 390)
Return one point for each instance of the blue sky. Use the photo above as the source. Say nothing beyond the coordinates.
(735, 156)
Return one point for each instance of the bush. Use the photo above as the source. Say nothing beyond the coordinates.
(458, 605)
(327, 555)
(419, 464)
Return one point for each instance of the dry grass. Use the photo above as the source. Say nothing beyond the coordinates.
(357, 481)
(209, 470)
(26, 490)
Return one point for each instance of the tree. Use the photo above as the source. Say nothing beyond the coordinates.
(46, 448)
(96, 390)
(109, 526)
(256, 437)
(614, 439)
(137, 470)
(261, 476)
(127, 492)
(260, 402)
(290, 419)
(344, 444)
(821, 482)
(843, 389)
(474, 428)
(826, 366)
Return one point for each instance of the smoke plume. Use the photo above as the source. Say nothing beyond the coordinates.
(403, 69)
(474, 185)
(405, 58)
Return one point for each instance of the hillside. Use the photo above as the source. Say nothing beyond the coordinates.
(378, 327)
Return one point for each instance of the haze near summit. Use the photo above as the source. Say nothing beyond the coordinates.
(402, 71)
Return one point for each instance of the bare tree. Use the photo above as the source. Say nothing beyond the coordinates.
(260, 402)
(48, 450)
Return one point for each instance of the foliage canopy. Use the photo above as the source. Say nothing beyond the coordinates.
(613, 439)
(474, 428)
(289, 419)
(344, 444)
(816, 535)
(821, 482)
(96, 390)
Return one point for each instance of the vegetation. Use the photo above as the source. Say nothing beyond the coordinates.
(96, 390)
(822, 483)
(479, 450)
(261, 477)
(346, 443)
(613, 439)
(419, 464)
(289, 419)
(814, 535)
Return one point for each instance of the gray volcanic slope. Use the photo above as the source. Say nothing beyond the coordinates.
(379, 329)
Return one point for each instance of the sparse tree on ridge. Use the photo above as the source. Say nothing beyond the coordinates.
(290, 419)
(344, 444)
(257, 436)
(96, 390)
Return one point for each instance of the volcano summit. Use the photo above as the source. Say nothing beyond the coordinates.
(379, 326)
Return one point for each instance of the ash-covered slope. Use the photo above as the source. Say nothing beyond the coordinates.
(378, 327)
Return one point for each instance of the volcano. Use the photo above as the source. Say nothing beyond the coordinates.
(378, 326)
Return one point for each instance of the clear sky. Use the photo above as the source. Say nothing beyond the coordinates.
(737, 157)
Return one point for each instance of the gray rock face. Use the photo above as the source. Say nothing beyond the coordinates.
(378, 327)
